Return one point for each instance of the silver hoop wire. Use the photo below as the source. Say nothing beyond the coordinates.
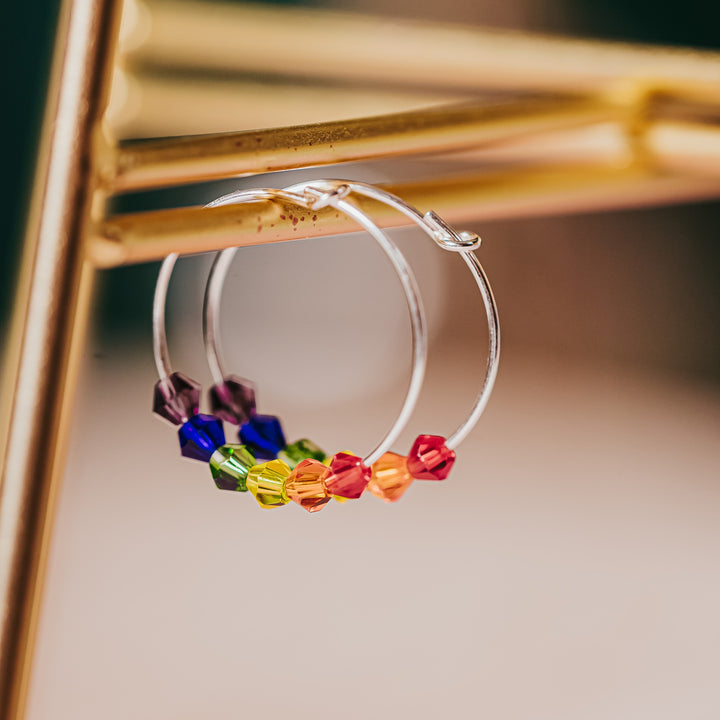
(335, 197)
(448, 239)
(160, 346)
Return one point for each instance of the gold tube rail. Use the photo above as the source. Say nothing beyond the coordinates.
(217, 105)
(437, 130)
(347, 46)
(141, 237)
(684, 147)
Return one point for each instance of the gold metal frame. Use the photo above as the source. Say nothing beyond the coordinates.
(534, 152)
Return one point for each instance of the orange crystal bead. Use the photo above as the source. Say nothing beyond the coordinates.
(390, 477)
(306, 485)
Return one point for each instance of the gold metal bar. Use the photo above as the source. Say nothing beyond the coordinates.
(149, 105)
(50, 314)
(576, 188)
(438, 130)
(683, 147)
(347, 46)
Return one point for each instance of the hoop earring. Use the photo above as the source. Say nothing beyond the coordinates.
(273, 483)
(431, 456)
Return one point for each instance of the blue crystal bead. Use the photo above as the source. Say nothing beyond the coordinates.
(201, 436)
(263, 434)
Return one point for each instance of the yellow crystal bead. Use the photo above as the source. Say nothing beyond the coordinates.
(306, 485)
(267, 483)
(390, 477)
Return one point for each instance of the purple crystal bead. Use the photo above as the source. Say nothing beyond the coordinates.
(233, 400)
(176, 398)
(264, 436)
(201, 436)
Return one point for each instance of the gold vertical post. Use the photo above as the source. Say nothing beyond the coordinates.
(49, 316)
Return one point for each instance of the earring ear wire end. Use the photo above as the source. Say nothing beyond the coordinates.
(447, 237)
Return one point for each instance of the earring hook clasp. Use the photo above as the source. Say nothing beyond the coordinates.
(447, 237)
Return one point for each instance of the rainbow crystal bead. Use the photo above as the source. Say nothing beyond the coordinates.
(306, 485)
(267, 483)
(233, 400)
(230, 465)
(390, 477)
(176, 398)
(200, 437)
(430, 458)
(264, 436)
(301, 450)
(348, 476)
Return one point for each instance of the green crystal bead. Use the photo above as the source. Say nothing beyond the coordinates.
(230, 465)
(267, 483)
(304, 449)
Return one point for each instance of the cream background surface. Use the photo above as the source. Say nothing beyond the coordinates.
(568, 568)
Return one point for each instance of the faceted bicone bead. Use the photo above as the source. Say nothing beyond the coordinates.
(201, 436)
(430, 458)
(348, 476)
(390, 477)
(329, 459)
(176, 398)
(267, 483)
(327, 462)
(264, 436)
(301, 450)
(306, 485)
(230, 465)
(233, 400)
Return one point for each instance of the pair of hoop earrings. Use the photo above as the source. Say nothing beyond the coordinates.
(274, 471)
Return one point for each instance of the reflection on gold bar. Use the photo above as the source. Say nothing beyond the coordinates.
(690, 148)
(577, 188)
(448, 129)
(157, 105)
(309, 43)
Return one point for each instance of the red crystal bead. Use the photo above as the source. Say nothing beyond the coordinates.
(348, 476)
(430, 458)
